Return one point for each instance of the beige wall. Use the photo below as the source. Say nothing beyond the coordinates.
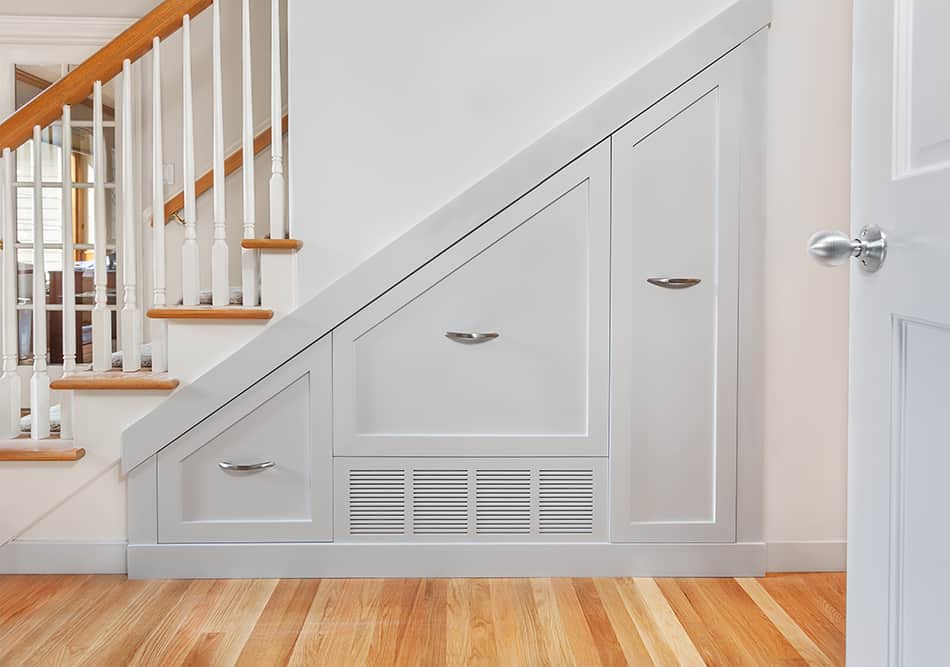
(808, 180)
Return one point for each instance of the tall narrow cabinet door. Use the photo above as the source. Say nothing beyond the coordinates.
(674, 273)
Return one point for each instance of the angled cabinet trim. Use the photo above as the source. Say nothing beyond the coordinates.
(498, 347)
(674, 314)
(258, 470)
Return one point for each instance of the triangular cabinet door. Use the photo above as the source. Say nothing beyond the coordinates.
(499, 346)
(259, 469)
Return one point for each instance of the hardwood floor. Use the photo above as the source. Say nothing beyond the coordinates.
(795, 619)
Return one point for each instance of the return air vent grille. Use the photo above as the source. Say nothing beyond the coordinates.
(503, 502)
(478, 500)
(566, 502)
(440, 502)
(377, 502)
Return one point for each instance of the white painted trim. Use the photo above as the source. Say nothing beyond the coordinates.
(211, 561)
(54, 557)
(292, 333)
(807, 556)
(61, 30)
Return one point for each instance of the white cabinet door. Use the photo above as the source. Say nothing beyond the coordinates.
(674, 360)
(259, 469)
(535, 278)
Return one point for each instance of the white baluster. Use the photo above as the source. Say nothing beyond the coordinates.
(189, 249)
(39, 383)
(101, 316)
(131, 317)
(278, 225)
(220, 288)
(249, 258)
(69, 278)
(9, 380)
(159, 327)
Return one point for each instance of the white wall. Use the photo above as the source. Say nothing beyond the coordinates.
(809, 138)
(94, 8)
(410, 103)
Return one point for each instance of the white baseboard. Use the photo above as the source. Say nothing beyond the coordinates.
(54, 557)
(380, 560)
(807, 556)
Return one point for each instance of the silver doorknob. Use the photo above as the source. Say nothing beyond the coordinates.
(836, 248)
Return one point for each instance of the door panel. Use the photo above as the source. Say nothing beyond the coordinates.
(536, 275)
(674, 364)
(900, 337)
(283, 420)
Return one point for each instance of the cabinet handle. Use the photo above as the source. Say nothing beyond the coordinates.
(470, 338)
(246, 467)
(674, 283)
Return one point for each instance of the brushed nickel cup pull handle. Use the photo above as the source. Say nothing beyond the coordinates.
(674, 283)
(246, 467)
(470, 338)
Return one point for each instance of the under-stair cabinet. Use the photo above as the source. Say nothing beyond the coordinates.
(570, 388)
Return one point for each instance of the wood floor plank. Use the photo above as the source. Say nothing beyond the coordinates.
(26, 641)
(583, 649)
(599, 623)
(424, 642)
(484, 647)
(275, 633)
(211, 597)
(27, 606)
(70, 642)
(117, 644)
(739, 631)
(162, 633)
(625, 626)
(807, 602)
(314, 630)
(458, 610)
(232, 628)
(666, 626)
(555, 638)
(802, 643)
(370, 597)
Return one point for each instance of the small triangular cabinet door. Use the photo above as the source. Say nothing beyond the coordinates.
(259, 469)
(498, 347)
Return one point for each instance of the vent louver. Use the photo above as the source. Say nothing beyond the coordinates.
(503, 502)
(566, 501)
(440, 502)
(377, 502)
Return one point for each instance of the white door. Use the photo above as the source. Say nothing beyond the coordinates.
(899, 449)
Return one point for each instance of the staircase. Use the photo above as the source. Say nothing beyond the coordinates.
(149, 306)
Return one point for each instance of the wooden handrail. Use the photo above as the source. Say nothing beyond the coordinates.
(232, 163)
(103, 65)
(42, 84)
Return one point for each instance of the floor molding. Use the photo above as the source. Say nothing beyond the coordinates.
(807, 556)
(381, 560)
(54, 557)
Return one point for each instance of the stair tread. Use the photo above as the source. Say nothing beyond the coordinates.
(272, 244)
(210, 313)
(16, 450)
(117, 380)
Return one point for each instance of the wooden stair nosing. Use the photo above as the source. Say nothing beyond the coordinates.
(210, 313)
(18, 454)
(116, 381)
(272, 244)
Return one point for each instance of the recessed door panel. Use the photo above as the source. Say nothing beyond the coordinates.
(497, 347)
